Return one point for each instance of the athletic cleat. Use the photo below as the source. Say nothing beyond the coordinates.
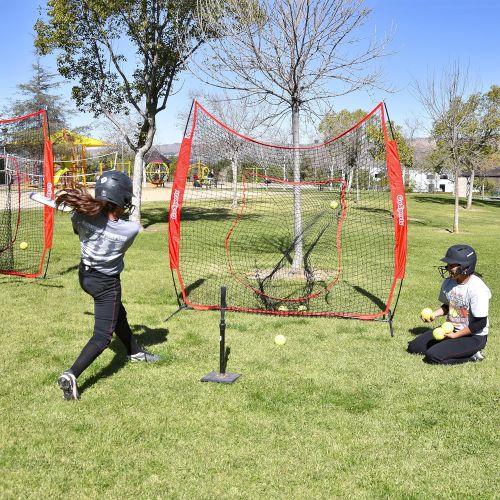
(147, 357)
(479, 356)
(67, 383)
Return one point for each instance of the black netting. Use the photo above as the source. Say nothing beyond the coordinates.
(21, 172)
(319, 243)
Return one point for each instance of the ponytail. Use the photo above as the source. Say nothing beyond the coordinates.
(83, 202)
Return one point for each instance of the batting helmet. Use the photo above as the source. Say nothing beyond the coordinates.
(463, 255)
(116, 187)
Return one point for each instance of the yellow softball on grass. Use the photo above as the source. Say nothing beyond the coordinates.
(23, 245)
(334, 204)
(283, 308)
(280, 339)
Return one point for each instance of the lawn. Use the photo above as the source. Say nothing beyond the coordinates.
(340, 411)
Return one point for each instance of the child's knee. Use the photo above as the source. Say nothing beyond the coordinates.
(414, 348)
(434, 357)
(100, 341)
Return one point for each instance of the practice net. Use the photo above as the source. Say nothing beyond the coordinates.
(317, 230)
(26, 165)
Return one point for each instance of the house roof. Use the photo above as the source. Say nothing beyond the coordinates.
(492, 172)
(154, 156)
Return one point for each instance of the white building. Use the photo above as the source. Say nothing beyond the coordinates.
(423, 182)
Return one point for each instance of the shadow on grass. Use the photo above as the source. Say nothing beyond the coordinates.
(193, 286)
(380, 211)
(442, 200)
(412, 220)
(418, 330)
(48, 285)
(214, 214)
(8, 279)
(69, 269)
(378, 302)
(150, 216)
(148, 337)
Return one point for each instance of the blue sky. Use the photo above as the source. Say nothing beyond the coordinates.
(429, 36)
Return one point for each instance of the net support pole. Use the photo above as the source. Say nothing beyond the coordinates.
(389, 319)
(222, 331)
(221, 376)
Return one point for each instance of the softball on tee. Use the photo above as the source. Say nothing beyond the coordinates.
(334, 204)
(438, 333)
(23, 245)
(280, 339)
(447, 327)
(426, 314)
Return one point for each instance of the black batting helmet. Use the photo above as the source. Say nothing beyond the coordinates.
(463, 255)
(116, 187)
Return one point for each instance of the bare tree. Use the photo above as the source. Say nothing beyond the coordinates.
(238, 112)
(453, 110)
(294, 55)
(483, 136)
(130, 123)
(409, 132)
(332, 125)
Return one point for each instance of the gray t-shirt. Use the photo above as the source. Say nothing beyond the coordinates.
(104, 242)
(468, 299)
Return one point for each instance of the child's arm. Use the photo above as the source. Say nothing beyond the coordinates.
(475, 325)
(442, 311)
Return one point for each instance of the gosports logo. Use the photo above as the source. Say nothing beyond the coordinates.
(49, 190)
(175, 205)
(401, 209)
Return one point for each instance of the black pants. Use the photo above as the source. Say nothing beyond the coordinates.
(447, 351)
(109, 316)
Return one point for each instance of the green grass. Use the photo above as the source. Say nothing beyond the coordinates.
(260, 236)
(340, 411)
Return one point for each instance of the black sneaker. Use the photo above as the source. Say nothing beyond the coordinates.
(67, 382)
(147, 357)
(479, 356)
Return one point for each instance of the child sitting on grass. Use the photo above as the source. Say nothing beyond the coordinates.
(465, 301)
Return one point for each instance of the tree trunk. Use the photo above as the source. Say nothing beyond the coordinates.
(349, 180)
(457, 202)
(234, 168)
(357, 187)
(297, 210)
(471, 186)
(139, 173)
(137, 180)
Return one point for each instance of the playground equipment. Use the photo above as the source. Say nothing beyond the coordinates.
(72, 165)
(78, 171)
(157, 167)
(199, 173)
